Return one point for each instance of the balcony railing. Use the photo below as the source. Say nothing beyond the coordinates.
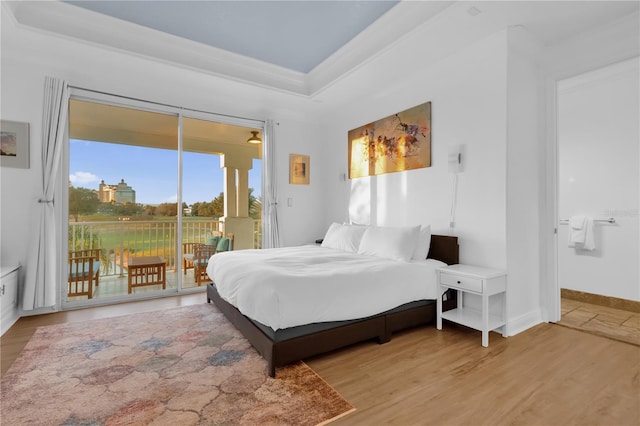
(120, 239)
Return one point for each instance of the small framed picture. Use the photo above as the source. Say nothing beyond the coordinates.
(299, 169)
(14, 144)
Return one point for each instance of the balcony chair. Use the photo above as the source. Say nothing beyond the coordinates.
(84, 270)
(188, 252)
(202, 255)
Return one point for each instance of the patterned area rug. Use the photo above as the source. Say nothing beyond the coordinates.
(182, 366)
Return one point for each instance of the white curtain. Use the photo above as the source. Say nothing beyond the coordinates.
(42, 271)
(270, 232)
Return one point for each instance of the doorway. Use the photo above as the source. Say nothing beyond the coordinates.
(598, 162)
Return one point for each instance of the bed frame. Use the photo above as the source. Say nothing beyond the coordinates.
(286, 347)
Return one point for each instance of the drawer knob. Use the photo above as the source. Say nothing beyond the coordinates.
(458, 282)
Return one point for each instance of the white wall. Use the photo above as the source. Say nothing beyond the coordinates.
(468, 92)
(486, 97)
(302, 222)
(28, 56)
(598, 149)
(524, 155)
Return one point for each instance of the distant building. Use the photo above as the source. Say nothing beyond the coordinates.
(107, 193)
(118, 194)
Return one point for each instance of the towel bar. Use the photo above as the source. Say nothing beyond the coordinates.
(609, 220)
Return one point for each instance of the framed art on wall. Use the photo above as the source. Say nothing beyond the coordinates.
(399, 142)
(14, 144)
(299, 169)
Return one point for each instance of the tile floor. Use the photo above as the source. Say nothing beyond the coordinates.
(601, 320)
(114, 285)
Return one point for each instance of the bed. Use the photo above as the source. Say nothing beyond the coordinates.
(282, 341)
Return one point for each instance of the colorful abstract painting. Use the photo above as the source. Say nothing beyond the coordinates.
(395, 143)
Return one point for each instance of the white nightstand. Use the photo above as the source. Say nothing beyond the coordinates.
(475, 280)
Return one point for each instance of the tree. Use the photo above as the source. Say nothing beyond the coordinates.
(255, 205)
(217, 206)
(202, 209)
(167, 209)
(128, 209)
(82, 201)
(149, 210)
(194, 208)
(106, 208)
(255, 208)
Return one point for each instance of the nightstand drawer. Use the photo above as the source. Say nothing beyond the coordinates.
(463, 283)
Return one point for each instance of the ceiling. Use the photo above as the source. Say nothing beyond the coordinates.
(297, 35)
(92, 121)
(300, 47)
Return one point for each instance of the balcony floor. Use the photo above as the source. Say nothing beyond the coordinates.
(112, 286)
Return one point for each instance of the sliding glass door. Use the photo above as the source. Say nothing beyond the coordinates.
(123, 185)
(144, 185)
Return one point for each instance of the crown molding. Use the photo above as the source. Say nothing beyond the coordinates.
(373, 41)
(614, 71)
(63, 19)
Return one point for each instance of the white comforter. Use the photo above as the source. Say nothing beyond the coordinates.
(287, 287)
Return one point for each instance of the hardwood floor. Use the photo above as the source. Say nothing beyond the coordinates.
(548, 375)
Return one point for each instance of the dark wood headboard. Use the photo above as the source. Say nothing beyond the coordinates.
(444, 248)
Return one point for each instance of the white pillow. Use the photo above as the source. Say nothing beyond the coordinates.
(343, 237)
(396, 243)
(424, 242)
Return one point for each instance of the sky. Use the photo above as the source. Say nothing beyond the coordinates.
(151, 172)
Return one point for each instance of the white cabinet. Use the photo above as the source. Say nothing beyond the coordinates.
(9, 296)
(484, 282)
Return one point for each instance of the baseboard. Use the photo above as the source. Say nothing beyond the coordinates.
(597, 299)
(523, 322)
